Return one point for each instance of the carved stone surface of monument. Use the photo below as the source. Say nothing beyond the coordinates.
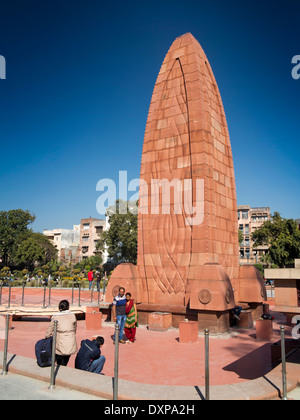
(188, 252)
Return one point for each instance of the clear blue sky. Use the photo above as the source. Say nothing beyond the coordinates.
(80, 76)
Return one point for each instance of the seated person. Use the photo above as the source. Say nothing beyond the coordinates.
(89, 357)
(236, 315)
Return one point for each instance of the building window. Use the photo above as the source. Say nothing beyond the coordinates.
(86, 226)
(244, 214)
(85, 238)
(85, 249)
(246, 229)
(99, 229)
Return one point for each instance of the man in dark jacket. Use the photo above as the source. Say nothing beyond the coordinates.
(89, 357)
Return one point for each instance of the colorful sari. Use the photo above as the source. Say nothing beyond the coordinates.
(131, 320)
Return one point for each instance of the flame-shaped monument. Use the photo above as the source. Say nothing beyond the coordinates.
(188, 252)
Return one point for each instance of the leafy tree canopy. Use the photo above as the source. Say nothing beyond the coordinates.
(13, 229)
(35, 249)
(120, 240)
(19, 245)
(282, 236)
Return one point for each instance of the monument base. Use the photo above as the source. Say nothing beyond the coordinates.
(216, 322)
(179, 313)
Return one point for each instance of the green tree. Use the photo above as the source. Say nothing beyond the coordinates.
(92, 263)
(13, 230)
(34, 249)
(120, 239)
(282, 236)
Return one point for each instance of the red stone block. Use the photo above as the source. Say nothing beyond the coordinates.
(159, 321)
(92, 309)
(188, 332)
(93, 320)
(264, 329)
(246, 319)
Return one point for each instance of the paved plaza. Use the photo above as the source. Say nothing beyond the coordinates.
(158, 359)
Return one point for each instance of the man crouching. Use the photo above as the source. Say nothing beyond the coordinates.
(89, 357)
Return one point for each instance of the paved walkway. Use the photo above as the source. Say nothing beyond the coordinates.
(17, 387)
(158, 366)
(267, 387)
(160, 359)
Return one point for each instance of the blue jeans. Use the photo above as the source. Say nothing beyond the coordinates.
(121, 319)
(97, 365)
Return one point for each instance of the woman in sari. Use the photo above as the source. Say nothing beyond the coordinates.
(131, 320)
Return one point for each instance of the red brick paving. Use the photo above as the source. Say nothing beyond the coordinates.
(159, 357)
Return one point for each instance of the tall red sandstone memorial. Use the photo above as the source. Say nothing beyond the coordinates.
(188, 263)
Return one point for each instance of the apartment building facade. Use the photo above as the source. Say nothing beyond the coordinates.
(250, 219)
(66, 241)
(90, 229)
(73, 245)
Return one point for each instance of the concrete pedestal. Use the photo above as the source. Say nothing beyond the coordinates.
(188, 332)
(264, 329)
(93, 319)
(216, 322)
(246, 320)
(159, 321)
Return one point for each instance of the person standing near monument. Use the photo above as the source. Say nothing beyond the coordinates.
(131, 320)
(98, 278)
(119, 312)
(90, 278)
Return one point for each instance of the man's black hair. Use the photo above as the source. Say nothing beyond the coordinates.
(100, 340)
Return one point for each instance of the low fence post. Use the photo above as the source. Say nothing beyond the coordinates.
(4, 371)
(104, 286)
(1, 287)
(9, 295)
(72, 291)
(283, 364)
(206, 335)
(79, 288)
(52, 384)
(23, 292)
(92, 291)
(44, 298)
(49, 293)
(116, 368)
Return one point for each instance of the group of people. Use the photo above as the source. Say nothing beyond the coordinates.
(98, 279)
(89, 356)
(124, 312)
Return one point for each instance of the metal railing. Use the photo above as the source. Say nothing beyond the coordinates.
(206, 340)
(52, 378)
(4, 369)
(116, 367)
(44, 297)
(283, 364)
